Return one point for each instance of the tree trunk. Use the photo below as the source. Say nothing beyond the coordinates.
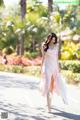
(23, 9)
(23, 13)
(18, 48)
(50, 9)
(22, 44)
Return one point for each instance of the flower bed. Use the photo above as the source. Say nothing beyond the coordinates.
(18, 60)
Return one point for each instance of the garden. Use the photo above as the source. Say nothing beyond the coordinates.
(23, 30)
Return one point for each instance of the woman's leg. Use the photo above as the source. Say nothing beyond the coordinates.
(49, 94)
(49, 101)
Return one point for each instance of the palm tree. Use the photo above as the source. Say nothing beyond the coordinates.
(23, 13)
(50, 9)
(23, 8)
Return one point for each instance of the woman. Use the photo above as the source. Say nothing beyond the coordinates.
(51, 78)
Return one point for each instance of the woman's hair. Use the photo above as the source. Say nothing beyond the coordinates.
(49, 38)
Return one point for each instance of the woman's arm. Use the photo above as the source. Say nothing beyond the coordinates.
(43, 56)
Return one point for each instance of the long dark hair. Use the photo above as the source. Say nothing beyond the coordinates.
(49, 38)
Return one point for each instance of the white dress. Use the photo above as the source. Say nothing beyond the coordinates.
(51, 68)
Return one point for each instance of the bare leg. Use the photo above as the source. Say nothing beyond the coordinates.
(49, 102)
(49, 95)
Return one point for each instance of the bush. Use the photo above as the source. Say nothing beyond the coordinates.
(68, 50)
(2, 67)
(8, 50)
(67, 55)
(27, 54)
(34, 54)
(78, 54)
(30, 70)
(71, 77)
(31, 54)
(17, 69)
(71, 65)
(17, 60)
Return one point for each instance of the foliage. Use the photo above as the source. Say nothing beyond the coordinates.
(31, 54)
(8, 50)
(78, 53)
(36, 27)
(29, 70)
(71, 77)
(71, 65)
(1, 2)
(17, 69)
(70, 50)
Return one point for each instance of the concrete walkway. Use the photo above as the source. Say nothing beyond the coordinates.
(21, 99)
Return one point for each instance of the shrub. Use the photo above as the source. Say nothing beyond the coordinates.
(34, 54)
(8, 50)
(78, 54)
(27, 54)
(68, 50)
(17, 60)
(17, 69)
(2, 67)
(71, 65)
(71, 77)
(31, 54)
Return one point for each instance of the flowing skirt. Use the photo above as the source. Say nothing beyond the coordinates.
(53, 81)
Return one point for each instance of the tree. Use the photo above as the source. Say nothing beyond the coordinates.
(50, 10)
(1, 2)
(23, 13)
(23, 9)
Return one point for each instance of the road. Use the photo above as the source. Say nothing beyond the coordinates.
(21, 99)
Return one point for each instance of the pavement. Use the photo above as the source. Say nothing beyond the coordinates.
(20, 99)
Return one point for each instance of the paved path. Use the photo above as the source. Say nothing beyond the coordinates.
(20, 98)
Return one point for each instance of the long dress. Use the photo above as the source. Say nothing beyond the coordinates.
(51, 78)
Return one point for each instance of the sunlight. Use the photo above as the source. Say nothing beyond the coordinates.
(11, 2)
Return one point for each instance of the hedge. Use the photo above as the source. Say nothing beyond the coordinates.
(71, 65)
(30, 70)
(71, 77)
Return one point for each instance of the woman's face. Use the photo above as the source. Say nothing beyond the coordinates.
(53, 40)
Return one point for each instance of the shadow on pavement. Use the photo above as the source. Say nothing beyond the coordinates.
(66, 114)
(21, 113)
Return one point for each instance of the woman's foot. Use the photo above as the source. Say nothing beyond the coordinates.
(49, 110)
